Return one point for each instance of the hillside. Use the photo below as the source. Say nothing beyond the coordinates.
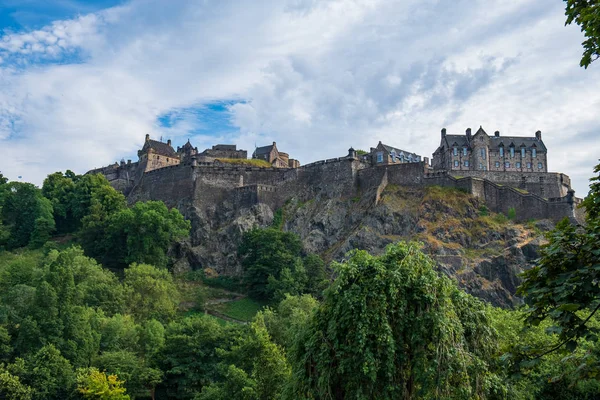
(484, 252)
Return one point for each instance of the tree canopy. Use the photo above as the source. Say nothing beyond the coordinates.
(586, 14)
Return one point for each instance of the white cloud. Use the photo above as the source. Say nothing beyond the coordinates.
(316, 76)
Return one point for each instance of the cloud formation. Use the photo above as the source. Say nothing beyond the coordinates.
(315, 76)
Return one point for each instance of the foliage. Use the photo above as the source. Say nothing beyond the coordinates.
(586, 14)
(140, 234)
(96, 385)
(289, 317)
(563, 286)
(512, 214)
(27, 215)
(360, 152)
(11, 387)
(245, 161)
(150, 293)
(49, 374)
(236, 385)
(391, 327)
(264, 253)
(243, 309)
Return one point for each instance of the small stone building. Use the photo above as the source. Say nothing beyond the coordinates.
(157, 154)
(225, 151)
(384, 154)
(481, 152)
(273, 156)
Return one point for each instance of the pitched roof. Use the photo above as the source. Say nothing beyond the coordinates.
(495, 141)
(159, 147)
(263, 150)
(398, 151)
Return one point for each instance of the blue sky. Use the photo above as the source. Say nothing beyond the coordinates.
(82, 82)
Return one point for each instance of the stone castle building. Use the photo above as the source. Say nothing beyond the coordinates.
(505, 171)
(482, 152)
(273, 156)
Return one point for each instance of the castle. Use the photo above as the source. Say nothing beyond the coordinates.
(507, 172)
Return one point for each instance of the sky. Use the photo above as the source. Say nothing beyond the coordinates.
(83, 82)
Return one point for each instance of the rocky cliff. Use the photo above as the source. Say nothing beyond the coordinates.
(483, 251)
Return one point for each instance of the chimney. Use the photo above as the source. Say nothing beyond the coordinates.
(426, 159)
(497, 133)
(538, 135)
(443, 133)
(128, 162)
(169, 142)
(273, 143)
(147, 137)
(468, 132)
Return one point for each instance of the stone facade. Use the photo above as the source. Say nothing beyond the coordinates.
(384, 154)
(155, 155)
(223, 151)
(482, 152)
(273, 156)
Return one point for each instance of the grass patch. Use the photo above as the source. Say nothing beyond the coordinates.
(251, 162)
(243, 309)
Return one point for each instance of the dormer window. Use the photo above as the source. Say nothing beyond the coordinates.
(522, 152)
(380, 157)
(512, 151)
(464, 151)
(501, 151)
(533, 152)
(455, 150)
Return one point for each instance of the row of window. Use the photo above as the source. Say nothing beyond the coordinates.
(506, 164)
(512, 152)
(394, 156)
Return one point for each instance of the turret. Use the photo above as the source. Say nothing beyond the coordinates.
(351, 153)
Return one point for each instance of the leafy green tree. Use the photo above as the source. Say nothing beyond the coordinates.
(264, 253)
(49, 374)
(150, 293)
(96, 385)
(191, 354)
(11, 387)
(119, 332)
(563, 285)
(391, 327)
(289, 318)
(140, 234)
(586, 14)
(27, 214)
(316, 274)
(291, 281)
(236, 385)
(140, 379)
(59, 189)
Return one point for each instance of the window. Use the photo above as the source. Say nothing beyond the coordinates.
(466, 163)
(464, 151)
(497, 164)
(533, 153)
(512, 152)
(522, 152)
(507, 165)
(393, 155)
(518, 165)
(380, 157)
(540, 165)
(529, 165)
(456, 163)
(480, 166)
(455, 151)
(483, 153)
(501, 151)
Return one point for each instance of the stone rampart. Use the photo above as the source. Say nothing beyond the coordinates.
(543, 184)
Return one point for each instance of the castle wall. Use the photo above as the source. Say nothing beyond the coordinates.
(543, 184)
(157, 161)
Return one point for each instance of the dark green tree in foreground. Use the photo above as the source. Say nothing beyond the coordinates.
(565, 284)
(140, 234)
(586, 14)
(390, 327)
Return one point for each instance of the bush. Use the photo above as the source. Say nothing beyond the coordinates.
(512, 214)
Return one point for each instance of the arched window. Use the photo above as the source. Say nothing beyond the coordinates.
(534, 152)
(455, 150)
(512, 152)
(522, 152)
(501, 151)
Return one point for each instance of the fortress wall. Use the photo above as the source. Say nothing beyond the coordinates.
(397, 174)
(544, 184)
(173, 185)
(235, 176)
(120, 176)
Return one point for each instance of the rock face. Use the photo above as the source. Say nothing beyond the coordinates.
(484, 252)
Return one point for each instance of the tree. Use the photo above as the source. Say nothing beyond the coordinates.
(49, 374)
(236, 385)
(11, 387)
(264, 253)
(27, 214)
(140, 234)
(59, 189)
(392, 327)
(96, 385)
(563, 286)
(289, 318)
(586, 14)
(150, 293)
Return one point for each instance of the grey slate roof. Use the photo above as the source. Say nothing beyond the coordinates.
(398, 151)
(160, 148)
(495, 141)
(263, 150)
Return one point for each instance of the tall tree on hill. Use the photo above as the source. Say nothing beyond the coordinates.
(390, 327)
(27, 214)
(586, 14)
(563, 286)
